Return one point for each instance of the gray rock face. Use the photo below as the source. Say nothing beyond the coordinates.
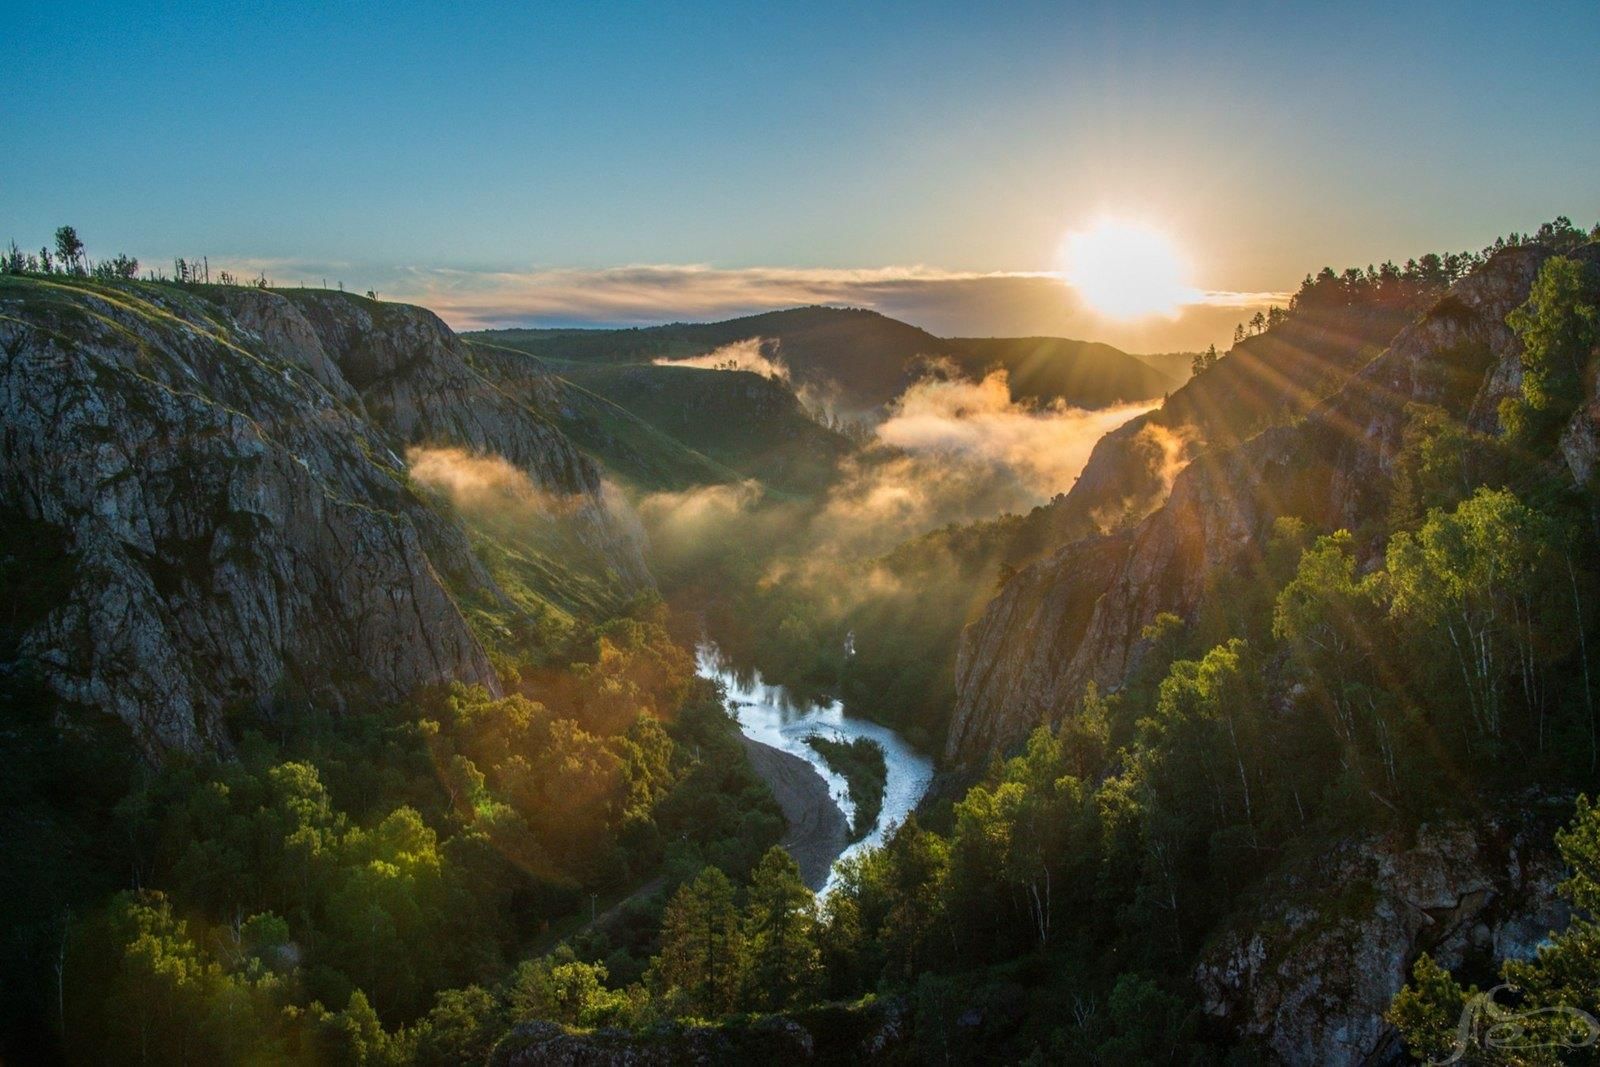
(416, 381)
(543, 1044)
(1580, 443)
(1310, 971)
(1077, 616)
(242, 529)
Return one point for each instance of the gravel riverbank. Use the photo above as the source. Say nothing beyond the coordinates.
(817, 829)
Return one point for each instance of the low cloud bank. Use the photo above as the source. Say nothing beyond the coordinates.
(950, 451)
(1042, 447)
(947, 303)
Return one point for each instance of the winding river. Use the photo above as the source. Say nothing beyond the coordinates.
(771, 715)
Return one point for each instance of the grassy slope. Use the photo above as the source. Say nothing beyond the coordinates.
(736, 420)
(627, 446)
(669, 428)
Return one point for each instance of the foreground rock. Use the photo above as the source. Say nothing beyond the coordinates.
(1309, 972)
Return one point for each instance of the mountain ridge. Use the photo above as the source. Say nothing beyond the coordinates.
(863, 359)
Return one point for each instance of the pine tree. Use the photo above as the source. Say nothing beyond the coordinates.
(780, 930)
(702, 947)
(69, 250)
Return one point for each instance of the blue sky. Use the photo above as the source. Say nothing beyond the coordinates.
(385, 144)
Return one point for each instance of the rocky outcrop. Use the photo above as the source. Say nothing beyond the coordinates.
(1308, 972)
(1267, 380)
(1077, 616)
(1580, 443)
(542, 1044)
(873, 1031)
(417, 383)
(225, 467)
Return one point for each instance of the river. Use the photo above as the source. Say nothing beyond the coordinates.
(771, 715)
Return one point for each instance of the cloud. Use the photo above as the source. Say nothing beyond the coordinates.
(948, 303)
(686, 516)
(1042, 447)
(950, 451)
(944, 302)
(474, 481)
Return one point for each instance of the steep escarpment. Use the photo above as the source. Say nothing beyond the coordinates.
(1078, 615)
(1270, 379)
(226, 470)
(420, 384)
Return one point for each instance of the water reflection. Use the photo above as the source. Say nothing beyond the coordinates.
(773, 716)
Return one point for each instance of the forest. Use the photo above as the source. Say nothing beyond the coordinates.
(461, 875)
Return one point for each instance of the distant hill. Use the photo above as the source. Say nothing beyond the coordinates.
(863, 359)
(1084, 373)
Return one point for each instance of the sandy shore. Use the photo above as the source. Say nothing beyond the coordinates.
(817, 830)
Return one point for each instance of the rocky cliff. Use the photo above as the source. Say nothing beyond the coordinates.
(1309, 970)
(226, 468)
(1077, 615)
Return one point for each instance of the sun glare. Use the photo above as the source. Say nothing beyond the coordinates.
(1125, 270)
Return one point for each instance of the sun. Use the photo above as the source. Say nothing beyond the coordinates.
(1126, 270)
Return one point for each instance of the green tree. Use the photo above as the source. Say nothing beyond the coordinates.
(355, 1035)
(155, 995)
(1207, 727)
(702, 947)
(780, 932)
(1013, 841)
(1148, 1024)
(564, 989)
(1437, 465)
(1471, 588)
(69, 250)
(461, 1027)
(119, 266)
(895, 896)
(1332, 621)
(1427, 1011)
(1558, 326)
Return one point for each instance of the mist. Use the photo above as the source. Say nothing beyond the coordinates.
(501, 501)
(755, 354)
(1042, 448)
(484, 486)
(862, 592)
(949, 451)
